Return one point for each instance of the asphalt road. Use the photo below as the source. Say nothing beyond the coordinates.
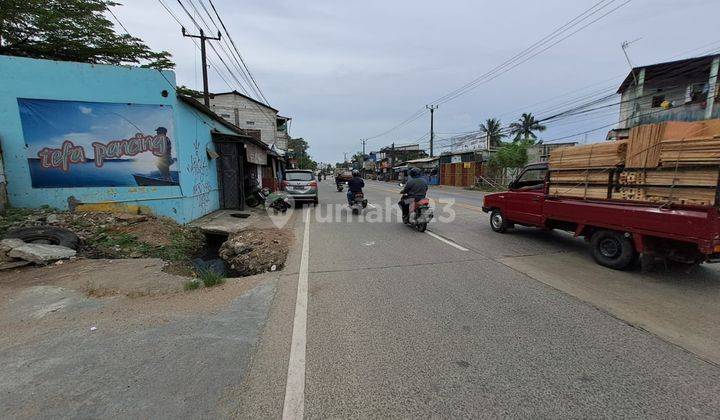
(374, 319)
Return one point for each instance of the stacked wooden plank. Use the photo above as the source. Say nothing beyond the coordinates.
(590, 192)
(579, 177)
(666, 163)
(598, 155)
(690, 151)
(643, 150)
(687, 186)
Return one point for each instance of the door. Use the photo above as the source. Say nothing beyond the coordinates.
(525, 198)
(230, 175)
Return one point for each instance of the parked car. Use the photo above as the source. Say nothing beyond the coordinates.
(301, 185)
(618, 231)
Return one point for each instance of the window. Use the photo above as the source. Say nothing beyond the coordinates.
(531, 179)
(250, 122)
(657, 101)
(299, 176)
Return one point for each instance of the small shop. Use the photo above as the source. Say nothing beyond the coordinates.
(116, 138)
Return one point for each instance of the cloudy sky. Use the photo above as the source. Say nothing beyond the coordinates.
(349, 70)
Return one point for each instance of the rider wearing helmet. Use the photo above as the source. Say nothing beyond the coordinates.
(355, 185)
(415, 190)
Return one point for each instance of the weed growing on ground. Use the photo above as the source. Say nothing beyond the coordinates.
(192, 284)
(211, 278)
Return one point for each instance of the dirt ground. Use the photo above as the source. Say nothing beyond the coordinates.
(110, 293)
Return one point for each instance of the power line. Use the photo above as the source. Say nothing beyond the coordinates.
(513, 61)
(236, 50)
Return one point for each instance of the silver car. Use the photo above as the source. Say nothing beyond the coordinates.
(301, 185)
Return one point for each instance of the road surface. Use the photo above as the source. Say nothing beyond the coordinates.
(374, 319)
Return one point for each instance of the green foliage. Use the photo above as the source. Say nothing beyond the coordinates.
(71, 30)
(186, 91)
(304, 162)
(492, 129)
(525, 128)
(297, 148)
(511, 155)
(192, 284)
(210, 278)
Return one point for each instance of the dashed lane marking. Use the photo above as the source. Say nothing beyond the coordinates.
(447, 241)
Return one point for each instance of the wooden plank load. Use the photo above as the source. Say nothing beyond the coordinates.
(599, 155)
(579, 177)
(643, 150)
(579, 191)
(685, 186)
(690, 151)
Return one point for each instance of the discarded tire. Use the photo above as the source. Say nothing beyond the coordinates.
(46, 235)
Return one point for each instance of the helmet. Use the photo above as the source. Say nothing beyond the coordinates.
(414, 172)
(355, 172)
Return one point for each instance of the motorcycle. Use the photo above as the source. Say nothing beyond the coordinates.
(420, 214)
(358, 203)
(257, 196)
(279, 202)
(341, 185)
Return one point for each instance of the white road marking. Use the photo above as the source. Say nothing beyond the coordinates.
(372, 206)
(294, 406)
(449, 242)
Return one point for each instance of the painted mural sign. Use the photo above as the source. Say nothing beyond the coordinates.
(93, 144)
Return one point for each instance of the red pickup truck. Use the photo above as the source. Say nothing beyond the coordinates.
(618, 231)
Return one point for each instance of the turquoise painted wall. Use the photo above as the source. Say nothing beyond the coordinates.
(197, 193)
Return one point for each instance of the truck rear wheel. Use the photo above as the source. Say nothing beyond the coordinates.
(612, 249)
(498, 222)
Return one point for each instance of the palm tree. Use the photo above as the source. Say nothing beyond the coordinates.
(492, 129)
(524, 129)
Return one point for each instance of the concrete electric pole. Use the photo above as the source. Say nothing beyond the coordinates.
(203, 38)
(432, 109)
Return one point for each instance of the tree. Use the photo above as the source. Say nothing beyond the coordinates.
(71, 30)
(304, 162)
(298, 147)
(511, 155)
(525, 128)
(492, 129)
(184, 90)
(358, 157)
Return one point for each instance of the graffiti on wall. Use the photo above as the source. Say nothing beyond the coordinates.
(199, 170)
(93, 144)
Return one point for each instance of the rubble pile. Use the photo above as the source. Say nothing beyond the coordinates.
(111, 235)
(256, 251)
(17, 253)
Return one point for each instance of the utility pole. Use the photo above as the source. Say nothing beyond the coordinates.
(203, 38)
(345, 158)
(432, 109)
(363, 143)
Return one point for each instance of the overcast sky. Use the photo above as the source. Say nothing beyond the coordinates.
(350, 70)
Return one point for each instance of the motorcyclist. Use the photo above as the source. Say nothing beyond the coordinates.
(415, 190)
(355, 185)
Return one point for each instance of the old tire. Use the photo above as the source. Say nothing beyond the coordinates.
(252, 201)
(612, 249)
(47, 235)
(498, 222)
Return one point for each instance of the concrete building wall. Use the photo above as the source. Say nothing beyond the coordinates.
(247, 114)
(197, 192)
(674, 91)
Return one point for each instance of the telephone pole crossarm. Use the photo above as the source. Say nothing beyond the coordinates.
(203, 54)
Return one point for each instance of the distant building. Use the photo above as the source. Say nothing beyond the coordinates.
(468, 143)
(259, 120)
(541, 152)
(683, 90)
